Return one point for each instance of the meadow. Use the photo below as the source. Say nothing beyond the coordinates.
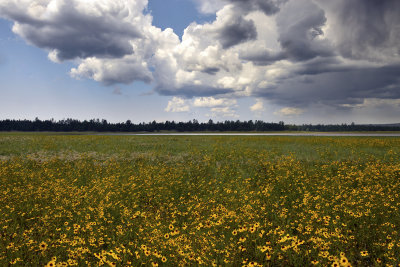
(95, 200)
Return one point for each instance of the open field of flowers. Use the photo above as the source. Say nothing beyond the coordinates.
(199, 201)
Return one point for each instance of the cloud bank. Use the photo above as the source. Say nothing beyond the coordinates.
(293, 53)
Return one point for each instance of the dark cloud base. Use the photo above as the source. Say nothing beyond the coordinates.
(73, 34)
(192, 91)
(336, 88)
(239, 31)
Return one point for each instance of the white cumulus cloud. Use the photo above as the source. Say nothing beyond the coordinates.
(177, 104)
(258, 106)
(211, 102)
(288, 111)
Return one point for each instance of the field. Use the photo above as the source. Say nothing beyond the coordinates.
(199, 200)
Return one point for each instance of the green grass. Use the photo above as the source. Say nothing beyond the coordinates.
(198, 200)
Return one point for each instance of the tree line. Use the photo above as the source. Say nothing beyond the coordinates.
(343, 127)
(97, 125)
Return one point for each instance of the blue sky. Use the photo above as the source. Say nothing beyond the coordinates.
(33, 86)
(176, 14)
(234, 61)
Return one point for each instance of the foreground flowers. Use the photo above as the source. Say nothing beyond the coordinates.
(225, 201)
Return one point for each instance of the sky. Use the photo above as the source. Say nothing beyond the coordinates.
(297, 61)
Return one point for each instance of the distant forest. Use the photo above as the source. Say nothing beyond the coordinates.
(96, 125)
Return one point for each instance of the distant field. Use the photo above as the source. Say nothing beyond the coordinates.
(199, 200)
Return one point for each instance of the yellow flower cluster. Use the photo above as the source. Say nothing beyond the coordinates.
(210, 201)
